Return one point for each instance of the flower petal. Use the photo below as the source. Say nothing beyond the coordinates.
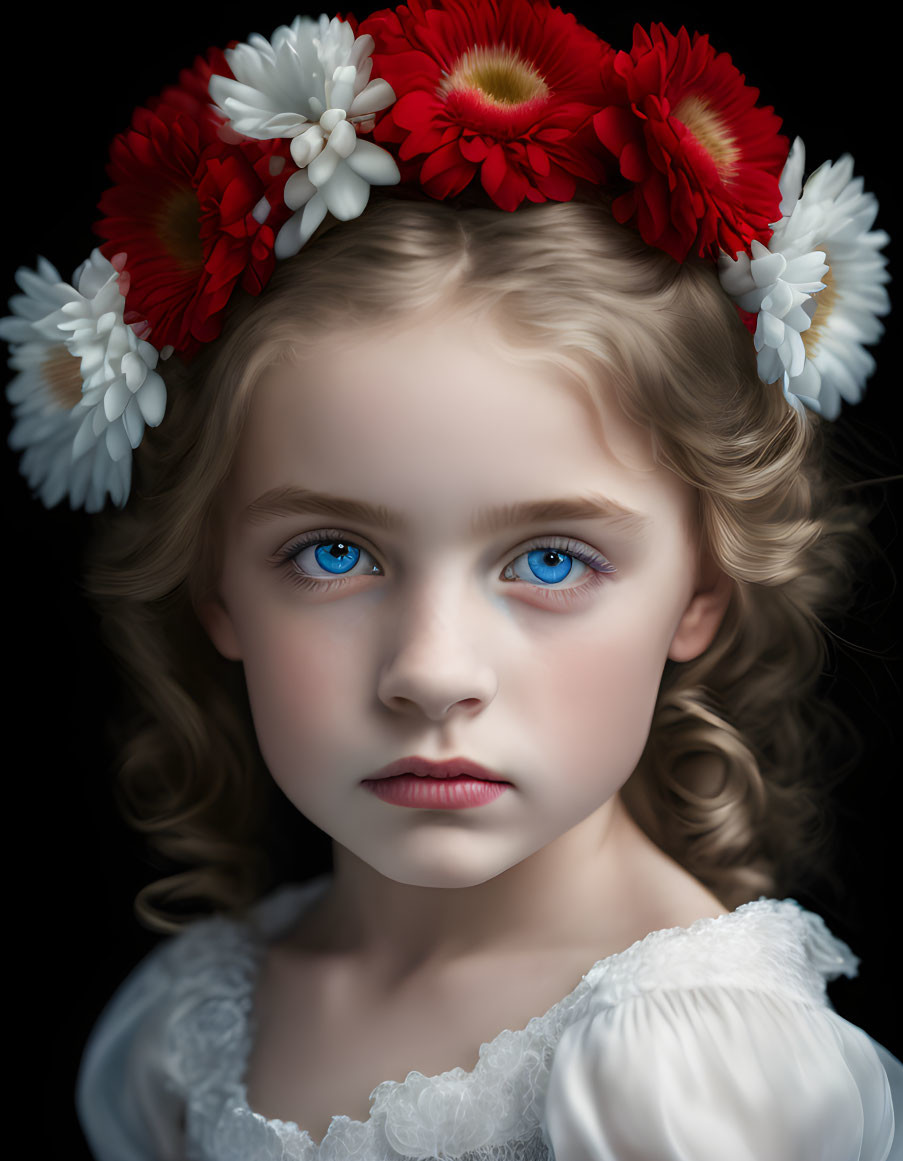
(373, 164)
(346, 195)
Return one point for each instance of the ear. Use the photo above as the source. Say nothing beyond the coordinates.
(703, 615)
(214, 617)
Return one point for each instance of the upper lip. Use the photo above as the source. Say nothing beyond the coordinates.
(447, 768)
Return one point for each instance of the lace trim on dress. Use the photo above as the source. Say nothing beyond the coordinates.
(493, 1111)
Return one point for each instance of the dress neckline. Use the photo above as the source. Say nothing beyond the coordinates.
(277, 912)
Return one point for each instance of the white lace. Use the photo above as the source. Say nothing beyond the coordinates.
(492, 1113)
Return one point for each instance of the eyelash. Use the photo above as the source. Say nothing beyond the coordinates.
(599, 567)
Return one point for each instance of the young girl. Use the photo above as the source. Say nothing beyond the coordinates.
(478, 534)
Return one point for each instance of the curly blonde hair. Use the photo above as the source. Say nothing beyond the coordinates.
(730, 782)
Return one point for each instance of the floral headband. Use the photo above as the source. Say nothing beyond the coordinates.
(513, 101)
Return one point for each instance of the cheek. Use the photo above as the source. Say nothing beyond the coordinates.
(299, 680)
(595, 698)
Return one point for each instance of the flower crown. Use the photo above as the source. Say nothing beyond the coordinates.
(512, 101)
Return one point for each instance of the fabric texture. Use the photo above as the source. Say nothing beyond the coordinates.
(709, 1042)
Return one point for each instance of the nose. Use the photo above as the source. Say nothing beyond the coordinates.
(433, 669)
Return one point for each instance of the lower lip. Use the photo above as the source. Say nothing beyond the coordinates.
(435, 793)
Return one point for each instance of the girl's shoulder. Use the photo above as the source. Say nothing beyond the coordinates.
(732, 1010)
(769, 944)
(180, 1015)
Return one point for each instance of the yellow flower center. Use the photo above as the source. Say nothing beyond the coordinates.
(62, 374)
(177, 225)
(710, 131)
(825, 301)
(499, 75)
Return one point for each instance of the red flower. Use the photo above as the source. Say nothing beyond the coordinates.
(749, 320)
(505, 90)
(192, 93)
(184, 208)
(703, 159)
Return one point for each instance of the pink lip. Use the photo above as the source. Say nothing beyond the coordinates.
(451, 785)
(424, 768)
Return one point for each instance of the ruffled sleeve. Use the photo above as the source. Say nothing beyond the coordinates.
(128, 1103)
(709, 1073)
(173, 1038)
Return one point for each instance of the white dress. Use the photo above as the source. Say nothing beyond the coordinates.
(715, 1042)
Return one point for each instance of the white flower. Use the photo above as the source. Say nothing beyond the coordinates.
(818, 286)
(86, 385)
(312, 85)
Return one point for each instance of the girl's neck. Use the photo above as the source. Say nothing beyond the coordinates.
(595, 890)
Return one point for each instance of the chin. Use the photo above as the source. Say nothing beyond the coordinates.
(441, 870)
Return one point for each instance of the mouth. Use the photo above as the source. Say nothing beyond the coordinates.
(424, 768)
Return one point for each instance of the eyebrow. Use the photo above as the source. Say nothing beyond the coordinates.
(290, 501)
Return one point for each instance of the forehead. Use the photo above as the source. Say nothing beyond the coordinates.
(436, 416)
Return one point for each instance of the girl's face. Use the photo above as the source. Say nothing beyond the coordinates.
(390, 593)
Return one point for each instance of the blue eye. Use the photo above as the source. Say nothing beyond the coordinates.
(334, 557)
(337, 556)
(546, 564)
(549, 564)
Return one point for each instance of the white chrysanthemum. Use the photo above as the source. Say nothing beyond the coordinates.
(86, 385)
(818, 286)
(311, 84)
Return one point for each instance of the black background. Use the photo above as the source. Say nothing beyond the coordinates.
(74, 868)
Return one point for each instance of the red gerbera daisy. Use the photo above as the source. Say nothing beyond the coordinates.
(505, 90)
(187, 210)
(703, 159)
